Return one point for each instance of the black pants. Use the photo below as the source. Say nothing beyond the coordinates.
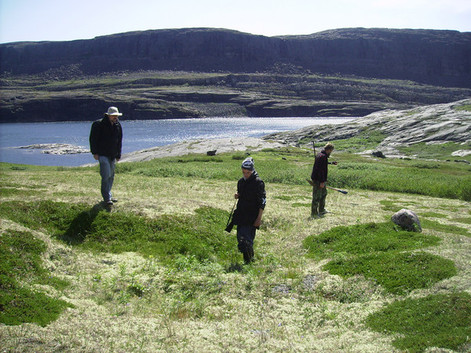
(245, 238)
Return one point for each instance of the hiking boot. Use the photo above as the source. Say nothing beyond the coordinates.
(323, 212)
(248, 256)
(114, 200)
(109, 203)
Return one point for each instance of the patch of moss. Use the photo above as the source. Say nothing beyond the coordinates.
(365, 239)
(201, 235)
(21, 265)
(442, 320)
(397, 273)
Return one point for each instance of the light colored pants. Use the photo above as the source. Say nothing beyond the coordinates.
(107, 166)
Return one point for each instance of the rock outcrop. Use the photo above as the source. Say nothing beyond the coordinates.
(428, 56)
(433, 124)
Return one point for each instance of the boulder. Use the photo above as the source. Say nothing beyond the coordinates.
(407, 220)
(378, 154)
(211, 153)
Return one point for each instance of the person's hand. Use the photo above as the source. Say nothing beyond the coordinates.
(322, 185)
(334, 163)
(96, 156)
(236, 195)
(257, 222)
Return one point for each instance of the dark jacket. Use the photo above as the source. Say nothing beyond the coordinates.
(106, 138)
(252, 198)
(319, 171)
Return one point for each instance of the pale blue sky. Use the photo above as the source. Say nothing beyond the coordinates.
(37, 20)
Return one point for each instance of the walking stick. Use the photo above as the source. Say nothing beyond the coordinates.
(328, 187)
(230, 223)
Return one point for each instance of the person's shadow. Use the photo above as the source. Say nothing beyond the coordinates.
(81, 225)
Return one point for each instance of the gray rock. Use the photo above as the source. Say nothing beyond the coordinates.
(407, 220)
(438, 123)
(378, 154)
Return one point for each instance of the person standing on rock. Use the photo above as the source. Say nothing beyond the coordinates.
(319, 181)
(106, 137)
(251, 202)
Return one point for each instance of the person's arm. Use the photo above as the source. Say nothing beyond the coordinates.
(262, 199)
(94, 136)
(258, 221)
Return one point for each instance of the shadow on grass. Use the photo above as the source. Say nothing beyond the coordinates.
(81, 225)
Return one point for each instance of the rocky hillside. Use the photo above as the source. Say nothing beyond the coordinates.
(394, 130)
(428, 56)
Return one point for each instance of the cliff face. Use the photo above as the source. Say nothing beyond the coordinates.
(427, 56)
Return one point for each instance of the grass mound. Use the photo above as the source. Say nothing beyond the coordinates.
(376, 252)
(365, 239)
(397, 273)
(21, 261)
(201, 235)
(434, 321)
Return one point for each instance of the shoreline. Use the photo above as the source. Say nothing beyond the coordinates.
(201, 146)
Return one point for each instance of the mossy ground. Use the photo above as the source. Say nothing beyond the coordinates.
(136, 300)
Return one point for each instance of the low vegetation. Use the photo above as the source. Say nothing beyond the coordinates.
(158, 273)
(20, 270)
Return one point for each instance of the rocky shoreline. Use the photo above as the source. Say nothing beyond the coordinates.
(57, 148)
(433, 124)
(202, 147)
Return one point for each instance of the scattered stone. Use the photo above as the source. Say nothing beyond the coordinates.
(407, 220)
(378, 154)
(282, 289)
(211, 153)
(309, 282)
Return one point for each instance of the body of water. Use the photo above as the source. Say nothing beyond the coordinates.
(138, 135)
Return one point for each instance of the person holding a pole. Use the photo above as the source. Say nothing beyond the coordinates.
(319, 181)
(251, 201)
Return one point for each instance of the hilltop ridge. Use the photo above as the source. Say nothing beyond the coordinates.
(428, 56)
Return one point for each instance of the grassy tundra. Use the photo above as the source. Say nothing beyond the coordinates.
(159, 274)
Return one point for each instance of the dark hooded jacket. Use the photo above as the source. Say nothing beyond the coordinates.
(106, 138)
(319, 171)
(252, 198)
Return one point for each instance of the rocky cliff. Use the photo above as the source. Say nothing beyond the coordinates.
(428, 56)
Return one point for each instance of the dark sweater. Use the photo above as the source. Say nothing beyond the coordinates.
(106, 138)
(252, 198)
(319, 171)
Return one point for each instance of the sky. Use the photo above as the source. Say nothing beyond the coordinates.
(59, 20)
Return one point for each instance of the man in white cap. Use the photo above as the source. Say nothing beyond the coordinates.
(106, 137)
(250, 205)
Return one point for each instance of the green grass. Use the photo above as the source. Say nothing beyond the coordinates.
(436, 151)
(375, 251)
(444, 228)
(363, 141)
(93, 228)
(465, 107)
(364, 239)
(167, 268)
(442, 320)
(293, 166)
(397, 273)
(21, 267)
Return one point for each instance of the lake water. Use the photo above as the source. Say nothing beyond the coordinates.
(138, 135)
